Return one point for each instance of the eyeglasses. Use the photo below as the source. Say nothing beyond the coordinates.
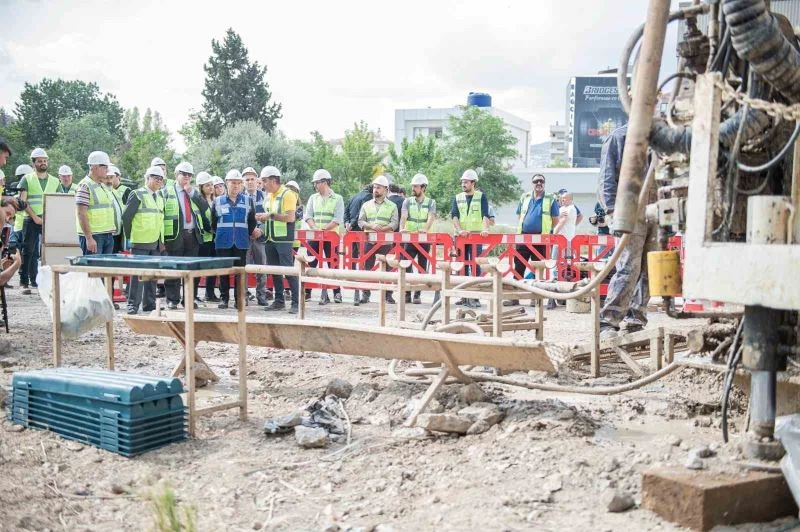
(156, 177)
(185, 174)
(538, 181)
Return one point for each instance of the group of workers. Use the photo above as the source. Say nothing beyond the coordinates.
(251, 216)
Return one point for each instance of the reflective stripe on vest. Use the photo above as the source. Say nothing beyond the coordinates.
(232, 228)
(278, 231)
(470, 217)
(379, 213)
(547, 221)
(417, 214)
(148, 222)
(101, 209)
(324, 208)
(35, 193)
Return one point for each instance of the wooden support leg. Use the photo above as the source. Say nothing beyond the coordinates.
(656, 352)
(497, 298)
(110, 324)
(242, 330)
(56, 294)
(427, 396)
(595, 345)
(670, 347)
(401, 299)
(382, 299)
(181, 366)
(445, 297)
(301, 297)
(188, 334)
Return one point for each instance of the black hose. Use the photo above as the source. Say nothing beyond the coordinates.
(734, 355)
(775, 160)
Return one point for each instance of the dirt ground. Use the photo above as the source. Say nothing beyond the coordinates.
(553, 463)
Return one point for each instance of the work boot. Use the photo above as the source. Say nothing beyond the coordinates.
(417, 299)
(551, 304)
(132, 311)
(212, 299)
(473, 303)
(511, 303)
(337, 297)
(171, 305)
(275, 306)
(461, 302)
(390, 299)
(262, 302)
(270, 297)
(223, 304)
(365, 297)
(607, 332)
(293, 309)
(323, 298)
(356, 298)
(631, 326)
(26, 291)
(408, 297)
(308, 294)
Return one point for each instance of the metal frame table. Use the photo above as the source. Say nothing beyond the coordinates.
(188, 276)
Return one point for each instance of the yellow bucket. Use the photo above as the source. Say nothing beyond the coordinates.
(664, 273)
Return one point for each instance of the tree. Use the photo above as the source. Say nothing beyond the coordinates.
(77, 137)
(235, 89)
(130, 123)
(320, 152)
(422, 155)
(135, 160)
(190, 131)
(43, 105)
(477, 140)
(358, 161)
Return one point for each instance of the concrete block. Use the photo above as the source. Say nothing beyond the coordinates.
(703, 500)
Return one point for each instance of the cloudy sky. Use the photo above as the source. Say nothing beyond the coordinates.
(329, 63)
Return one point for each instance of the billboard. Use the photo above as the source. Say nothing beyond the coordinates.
(595, 112)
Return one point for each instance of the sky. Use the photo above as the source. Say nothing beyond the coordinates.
(330, 64)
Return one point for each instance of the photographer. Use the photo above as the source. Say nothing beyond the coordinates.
(11, 258)
(599, 220)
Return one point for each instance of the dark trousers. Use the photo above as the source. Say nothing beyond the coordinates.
(281, 254)
(31, 242)
(418, 252)
(142, 292)
(472, 251)
(327, 253)
(206, 250)
(526, 253)
(104, 241)
(184, 245)
(225, 280)
(369, 263)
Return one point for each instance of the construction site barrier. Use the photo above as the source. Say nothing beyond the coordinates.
(590, 249)
(504, 246)
(434, 247)
(315, 243)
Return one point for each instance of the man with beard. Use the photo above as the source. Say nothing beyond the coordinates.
(417, 216)
(470, 214)
(324, 211)
(96, 213)
(378, 215)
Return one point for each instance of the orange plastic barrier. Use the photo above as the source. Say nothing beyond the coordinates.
(360, 247)
(506, 246)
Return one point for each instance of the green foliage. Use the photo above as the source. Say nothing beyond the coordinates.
(558, 162)
(422, 155)
(320, 152)
(235, 89)
(358, 161)
(43, 105)
(169, 515)
(190, 131)
(20, 153)
(77, 137)
(135, 160)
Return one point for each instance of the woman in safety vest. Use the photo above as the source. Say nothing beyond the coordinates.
(205, 185)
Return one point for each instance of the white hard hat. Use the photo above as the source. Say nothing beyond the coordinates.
(381, 180)
(249, 170)
(155, 170)
(23, 169)
(270, 171)
(233, 175)
(113, 170)
(469, 175)
(98, 158)
(203, 178)
(419, 179)
(321, 174)
(65, 170)
(293, 184)
(184, 167)
(38, 153)
(217, 180)
(158, 161)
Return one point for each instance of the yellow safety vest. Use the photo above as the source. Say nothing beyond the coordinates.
(418, 214)
(119, 192)
(379, 213)
(277, 231)
(471, 218)
(172, 213)
(547, 203)
(35, 193)
(324, 208)
(148, 222)
(102, 217)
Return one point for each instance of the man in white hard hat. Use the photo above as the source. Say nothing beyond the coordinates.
(325, 211)
(279, 222)
(121, 194)
(470, 214)
(234, 224)
(143, 220)
(32, 188)
(158, 161)
(417, 216)
(184, 227)
(219, 186)
(96, 213)
(257, 254)
(378, 215)
(66, 186)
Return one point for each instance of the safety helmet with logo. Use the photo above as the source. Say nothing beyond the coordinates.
(217, 180)
(249, 170)
(419, 179)
(203, 178)
(38, 153)
(184, 167)
(65, 170)
(98, 158)
(22, 170)
(270, 171)
(154, 171)
(233, 175)
(321, 174)
(381, 180)
(157, 161)
(469, 175)
(293, 185)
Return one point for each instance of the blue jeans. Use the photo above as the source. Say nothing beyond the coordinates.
(105, 244)
(31, 242)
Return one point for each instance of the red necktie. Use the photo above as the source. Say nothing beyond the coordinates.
(187, 209)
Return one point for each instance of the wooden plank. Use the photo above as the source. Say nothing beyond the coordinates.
(656, 353)
(156, 273)
(630, 362)
(594, 348)
(188, 334)
(440, 378)
(626, 340)
(181, 365)
(347, 339)
(241, 333)
(497, 300)
(110, 325)
(57, 319)
(216, 408)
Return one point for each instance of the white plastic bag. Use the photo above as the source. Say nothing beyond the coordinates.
(85, 304)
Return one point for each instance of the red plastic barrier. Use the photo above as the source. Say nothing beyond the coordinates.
(591, 248)
(676, 244)
(505, 246)
(438, 244)
(314, 242)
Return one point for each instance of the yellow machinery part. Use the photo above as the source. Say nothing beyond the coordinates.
(664, 273)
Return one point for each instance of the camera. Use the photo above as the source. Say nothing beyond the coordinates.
(597, 219)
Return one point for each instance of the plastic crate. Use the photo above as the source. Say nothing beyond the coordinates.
(152, 262)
